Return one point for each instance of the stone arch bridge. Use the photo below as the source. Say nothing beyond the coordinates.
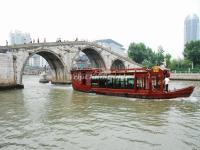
(60, 57)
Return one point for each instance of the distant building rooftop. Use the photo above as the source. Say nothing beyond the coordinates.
(109, 41)
(113, 45)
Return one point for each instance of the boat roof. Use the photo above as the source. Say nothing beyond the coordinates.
(118, 71)
(86, 69)
(111, 70)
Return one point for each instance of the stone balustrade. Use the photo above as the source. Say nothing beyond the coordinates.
(185, 76)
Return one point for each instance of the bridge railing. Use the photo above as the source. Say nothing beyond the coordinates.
(185, 76)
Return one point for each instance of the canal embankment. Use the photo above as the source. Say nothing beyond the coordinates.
(185, 76)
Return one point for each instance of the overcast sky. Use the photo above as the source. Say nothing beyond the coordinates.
(153, 22)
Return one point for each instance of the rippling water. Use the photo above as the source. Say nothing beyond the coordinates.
(45, 116)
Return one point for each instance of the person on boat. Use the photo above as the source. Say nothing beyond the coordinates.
(166, 83)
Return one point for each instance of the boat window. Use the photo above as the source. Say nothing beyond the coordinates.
(94, 81)
(117, 82)
(142, 83)
(102, 81)
(123, 82)
(156, 82)
(110, 81)
(129, 82)
(139, 83)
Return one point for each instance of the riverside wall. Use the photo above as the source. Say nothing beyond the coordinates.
(185, 76)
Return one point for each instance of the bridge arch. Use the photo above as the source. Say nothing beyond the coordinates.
(117, 64)
(57, 65)
(94, 57)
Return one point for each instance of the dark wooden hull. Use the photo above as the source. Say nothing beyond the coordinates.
(144, 94)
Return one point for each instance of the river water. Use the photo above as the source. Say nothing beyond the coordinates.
(46, 116)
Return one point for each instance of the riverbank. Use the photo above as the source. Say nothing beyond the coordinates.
(185, 76)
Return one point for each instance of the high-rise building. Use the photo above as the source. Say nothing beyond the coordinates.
(191, 27)
(37, 61)
(18, 37)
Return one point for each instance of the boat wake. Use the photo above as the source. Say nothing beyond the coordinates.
(191, 99)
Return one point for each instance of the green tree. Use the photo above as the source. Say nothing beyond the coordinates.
(160, 56)
(168, 60)
(179, 64)
(144, 55)
(139, 52)
(146, 63)
(192, 52)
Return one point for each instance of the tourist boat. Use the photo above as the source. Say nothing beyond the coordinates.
(135, 82)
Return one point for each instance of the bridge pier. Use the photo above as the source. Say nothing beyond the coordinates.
(58, 76)
(8, 72)
(60, 79)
